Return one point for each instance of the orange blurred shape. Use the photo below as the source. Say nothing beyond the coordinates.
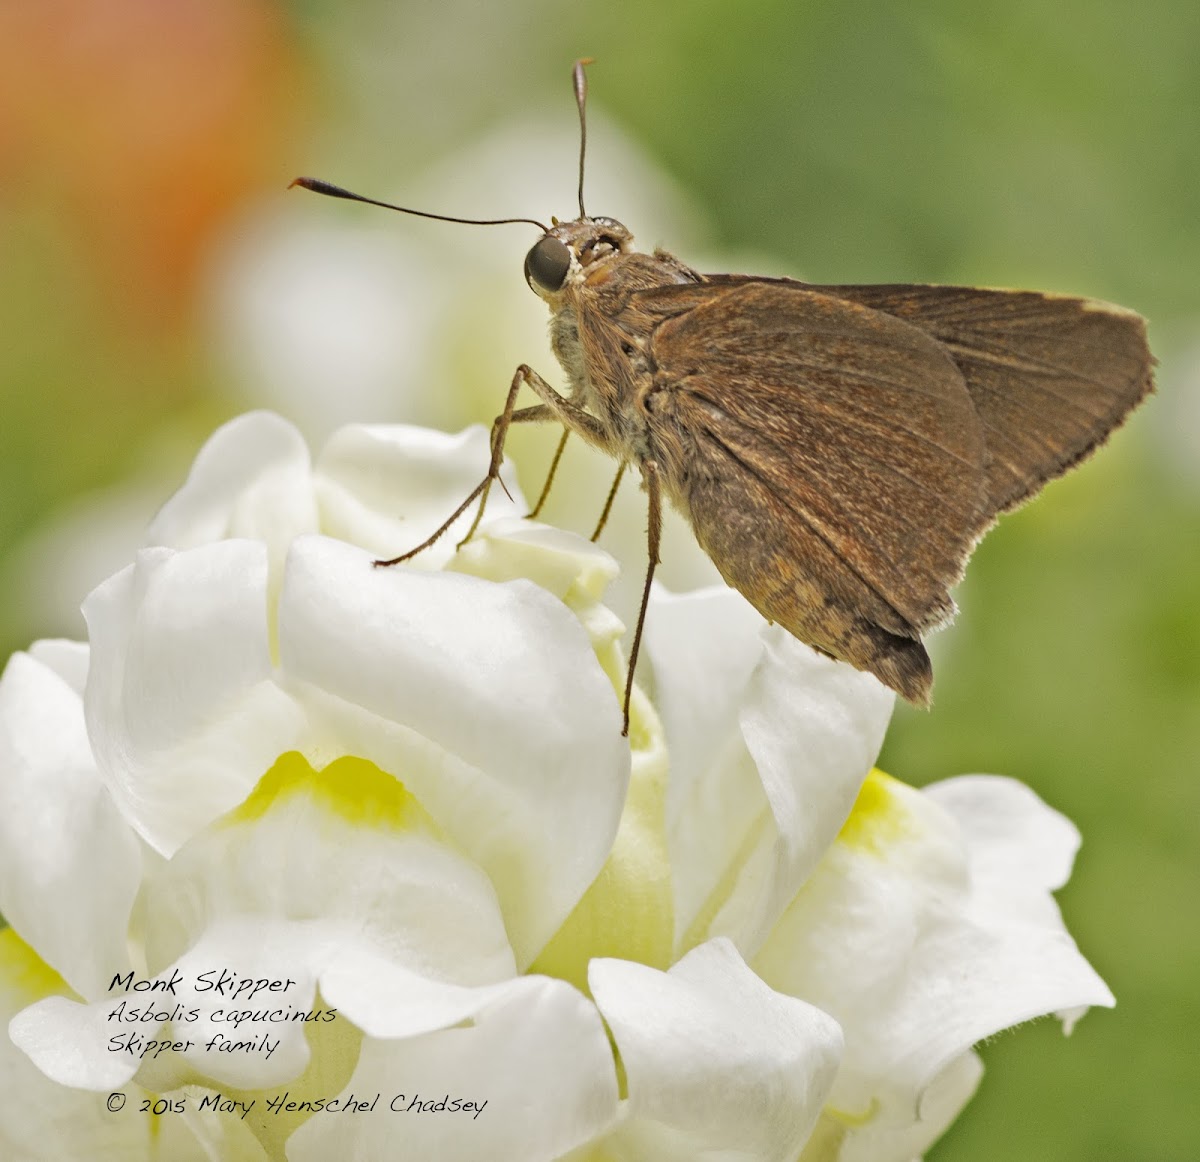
(140, 125)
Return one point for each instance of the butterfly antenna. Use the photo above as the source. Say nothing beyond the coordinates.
(581, 100)
(331, 191)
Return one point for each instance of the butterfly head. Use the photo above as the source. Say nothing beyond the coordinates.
(571, 252)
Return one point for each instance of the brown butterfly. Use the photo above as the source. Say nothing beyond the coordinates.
(838, 450)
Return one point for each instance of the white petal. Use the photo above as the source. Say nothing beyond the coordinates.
(69, 864)
(43, 1121)
(387, 999)
(181, 709)
(251, 479)
(717, 1064)
(407, 896)
(897, 935)
(535, 1064)
(704, 647)
(388, 487)
(813, 727)
(242, 969)
(941, 1102)
(1021, 849)
(391, 937)
(563, 563)
(769, 743)
(68, 659)
(228, 1012)
(69, 1043)
(484, 699)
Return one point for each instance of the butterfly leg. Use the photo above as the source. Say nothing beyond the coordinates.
(612, 495)
(608, 503)
(571, 415)
(510, 415)
(595, 433)
(541, 500)
(554, 407)
(653, 539)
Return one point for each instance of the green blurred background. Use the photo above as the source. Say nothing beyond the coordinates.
(1054, 146)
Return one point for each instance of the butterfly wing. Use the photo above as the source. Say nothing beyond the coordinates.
(829, 457)
(1050, 376)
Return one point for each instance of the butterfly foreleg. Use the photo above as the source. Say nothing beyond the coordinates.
(540, 413)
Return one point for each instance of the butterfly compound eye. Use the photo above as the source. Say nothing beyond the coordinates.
(547, 264)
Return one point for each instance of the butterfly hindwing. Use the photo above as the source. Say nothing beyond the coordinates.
(829, 458)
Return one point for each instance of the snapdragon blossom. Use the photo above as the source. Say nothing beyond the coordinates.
(373, 842)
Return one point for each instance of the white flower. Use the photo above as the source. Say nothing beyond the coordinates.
(294, 829)
(921, 920)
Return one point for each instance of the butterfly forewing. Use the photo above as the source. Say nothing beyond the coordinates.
(1050, 376)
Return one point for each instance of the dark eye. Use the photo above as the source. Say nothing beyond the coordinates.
(547, 264)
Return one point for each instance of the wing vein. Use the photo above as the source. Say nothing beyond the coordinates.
(1035, 368)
